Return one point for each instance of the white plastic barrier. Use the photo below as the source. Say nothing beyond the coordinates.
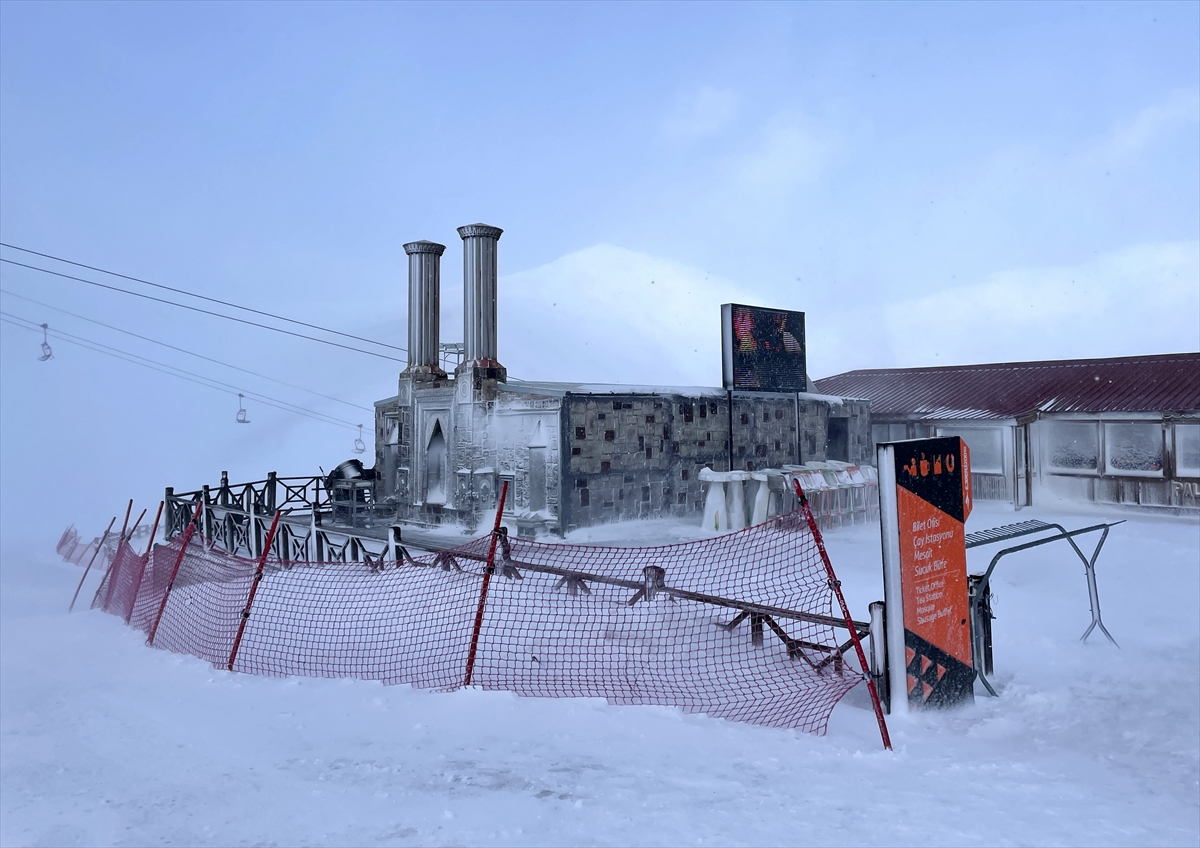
(761, 505)
(716, 513)
(838, 493)
(725, 502)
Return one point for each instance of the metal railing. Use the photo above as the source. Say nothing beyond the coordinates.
(313, 527)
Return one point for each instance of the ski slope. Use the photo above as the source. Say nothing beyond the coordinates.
(106, 742)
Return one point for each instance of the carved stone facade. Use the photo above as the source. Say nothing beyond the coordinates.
(574, 457)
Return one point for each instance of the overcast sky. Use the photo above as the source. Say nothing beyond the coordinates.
(931, 183)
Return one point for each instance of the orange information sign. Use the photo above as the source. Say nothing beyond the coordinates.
(932, 501)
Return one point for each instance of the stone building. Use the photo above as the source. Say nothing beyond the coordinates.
(572, 454)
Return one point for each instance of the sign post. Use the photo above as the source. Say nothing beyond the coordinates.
(925, 499)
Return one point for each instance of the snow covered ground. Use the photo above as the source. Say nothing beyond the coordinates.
(104, 741)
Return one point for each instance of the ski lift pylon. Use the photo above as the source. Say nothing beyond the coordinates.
(241, 413)
(47, 353)
(359, 445)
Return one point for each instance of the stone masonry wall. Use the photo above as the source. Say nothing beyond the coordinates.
(638, 456)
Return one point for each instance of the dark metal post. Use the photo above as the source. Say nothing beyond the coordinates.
(879, 657)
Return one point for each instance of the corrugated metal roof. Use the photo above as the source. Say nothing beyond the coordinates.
(1164, 383)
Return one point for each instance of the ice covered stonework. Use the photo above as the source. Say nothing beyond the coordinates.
(574, 454)
(577, 455)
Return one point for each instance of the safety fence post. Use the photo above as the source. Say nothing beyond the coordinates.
(487, 576)
(836, 586)
(95, 553)
(187, 537)
(149, 548)
(112, 573)
(258, 576)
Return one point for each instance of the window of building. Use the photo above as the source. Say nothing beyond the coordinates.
(986, 445)
(1073, 447)
(1187, 450)
(837, 439)
(881, 433)
(1134, 448)
(391, 430)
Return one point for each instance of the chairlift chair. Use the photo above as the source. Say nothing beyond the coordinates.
(359, 445)
(47, 353)
(241, 413)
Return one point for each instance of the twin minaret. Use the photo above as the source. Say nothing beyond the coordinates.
(479, 303)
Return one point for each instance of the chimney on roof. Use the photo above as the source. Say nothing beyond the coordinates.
(424, 308)
(479, 294)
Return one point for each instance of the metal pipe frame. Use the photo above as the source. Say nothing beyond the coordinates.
(1089, 565)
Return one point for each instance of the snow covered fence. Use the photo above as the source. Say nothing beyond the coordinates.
(739, 626)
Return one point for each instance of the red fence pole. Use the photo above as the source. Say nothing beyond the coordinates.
(258, 576)
(108, 575)
(154, 528)
(836, 586)
(487, 576)
(187, 537)
(149, 547)
(99, 547)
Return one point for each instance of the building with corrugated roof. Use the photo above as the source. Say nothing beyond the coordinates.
(1121, 430)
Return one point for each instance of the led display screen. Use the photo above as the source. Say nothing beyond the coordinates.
(763, 349)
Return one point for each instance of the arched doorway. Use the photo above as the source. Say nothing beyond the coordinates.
(435, 467)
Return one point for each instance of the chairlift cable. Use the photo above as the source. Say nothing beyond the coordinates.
(193, 378)
(183, 350)
(202, 311)
(178, 372)
(202, 297)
